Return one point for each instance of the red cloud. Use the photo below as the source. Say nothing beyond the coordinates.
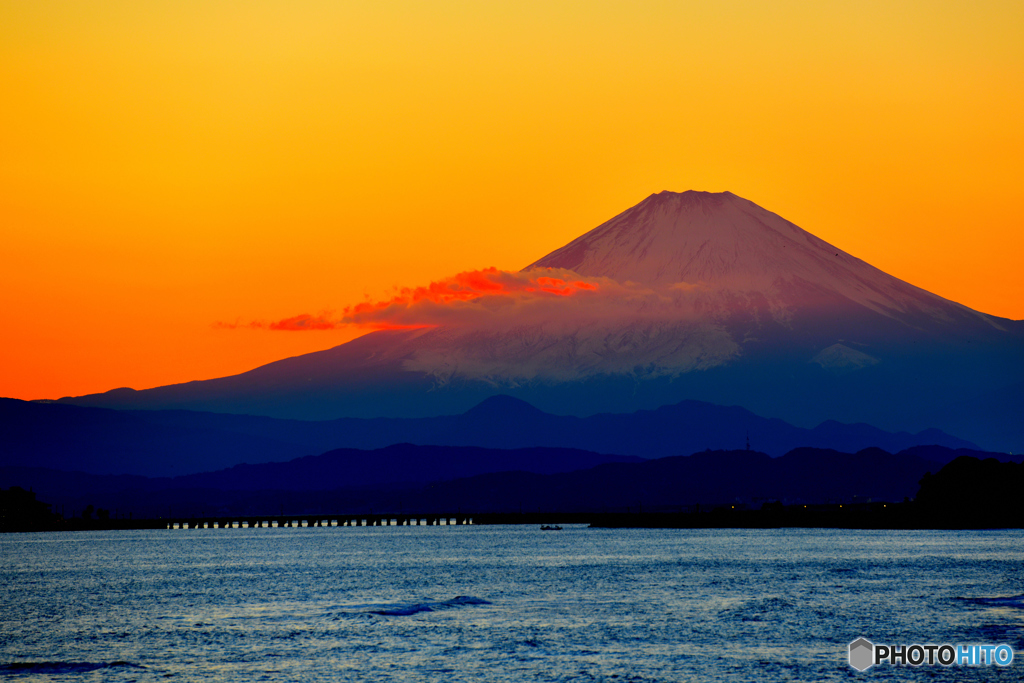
(468, 296)
(497, 297)
(475, 284)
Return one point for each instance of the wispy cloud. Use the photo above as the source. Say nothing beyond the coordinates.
(304, 322)
(494, 297)
(298, 323)
(239, 325)
(471, 297)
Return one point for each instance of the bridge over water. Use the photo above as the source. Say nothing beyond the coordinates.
(298, 521)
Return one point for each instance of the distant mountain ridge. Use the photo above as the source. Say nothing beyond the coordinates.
(173, 443)
(398, 466)
(436, 478)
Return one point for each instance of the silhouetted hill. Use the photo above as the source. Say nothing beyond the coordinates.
(398, 466)
(177, 442)
(487, 480)
(744, 478)
(20, 509)
(972, 492)
(943, 455)
(103, 441)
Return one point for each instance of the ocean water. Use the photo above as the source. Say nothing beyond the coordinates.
(499, 603)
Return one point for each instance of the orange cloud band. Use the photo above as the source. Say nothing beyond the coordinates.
(472, 297)
(503, 299)
(445, 302)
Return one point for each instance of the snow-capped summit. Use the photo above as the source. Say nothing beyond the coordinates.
(724, 242)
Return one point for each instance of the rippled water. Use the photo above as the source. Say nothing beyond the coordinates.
(499, 603)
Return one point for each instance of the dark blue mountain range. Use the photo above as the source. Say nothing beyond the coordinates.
(448, 478)
(174, 443)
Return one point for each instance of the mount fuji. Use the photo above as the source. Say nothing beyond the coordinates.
(698, 295)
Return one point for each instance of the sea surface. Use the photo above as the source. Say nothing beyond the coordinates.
(500, 603)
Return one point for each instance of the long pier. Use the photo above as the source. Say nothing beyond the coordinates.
(866, 516)
(300, 521)
(296, 521)
(839, 516)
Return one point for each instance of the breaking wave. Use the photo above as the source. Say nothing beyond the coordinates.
(1006, 601)
(58, 668)
(405, 610)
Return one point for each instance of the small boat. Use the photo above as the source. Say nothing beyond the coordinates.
(550, 528)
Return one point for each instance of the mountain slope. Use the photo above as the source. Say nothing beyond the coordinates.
(725, 243)
(699, 296)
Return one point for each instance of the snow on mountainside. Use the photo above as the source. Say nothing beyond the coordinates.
(725, 242)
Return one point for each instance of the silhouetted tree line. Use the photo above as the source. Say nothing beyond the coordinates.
(100, 513)
(974, 493)
(20, 509)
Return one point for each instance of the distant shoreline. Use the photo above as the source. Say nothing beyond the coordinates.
(894, 516)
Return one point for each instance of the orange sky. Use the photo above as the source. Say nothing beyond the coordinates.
(169, 165)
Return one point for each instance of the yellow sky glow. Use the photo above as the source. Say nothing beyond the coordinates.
(168, 165)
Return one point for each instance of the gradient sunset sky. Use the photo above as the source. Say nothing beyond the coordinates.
(170, 169)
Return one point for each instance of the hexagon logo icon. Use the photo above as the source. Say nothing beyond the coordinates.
(862, 654)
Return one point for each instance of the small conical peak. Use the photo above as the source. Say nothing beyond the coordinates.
(503, 406)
